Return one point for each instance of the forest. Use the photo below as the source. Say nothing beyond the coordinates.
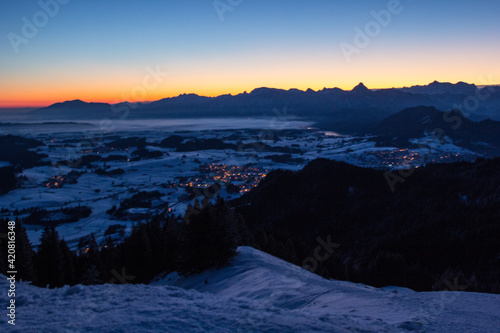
(439, 226)
(155, 248)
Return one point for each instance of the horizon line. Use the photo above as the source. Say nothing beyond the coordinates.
(19, 107)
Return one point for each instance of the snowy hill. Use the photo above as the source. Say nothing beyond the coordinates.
(256, 293)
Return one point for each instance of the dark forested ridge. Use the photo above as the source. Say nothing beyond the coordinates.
(480, 137)
(439, 228)
(16, 150)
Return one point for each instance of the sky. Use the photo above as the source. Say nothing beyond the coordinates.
(124, 50)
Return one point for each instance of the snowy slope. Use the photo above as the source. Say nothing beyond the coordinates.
(257, 293)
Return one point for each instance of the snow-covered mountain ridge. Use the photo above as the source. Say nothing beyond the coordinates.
(256, 293)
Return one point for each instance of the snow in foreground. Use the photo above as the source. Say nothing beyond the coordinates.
(257, 293)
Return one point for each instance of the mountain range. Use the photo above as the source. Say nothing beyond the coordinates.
(352, 109)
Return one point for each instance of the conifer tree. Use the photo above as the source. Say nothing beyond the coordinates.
(208, 240)
(68, 263)
(50, 259)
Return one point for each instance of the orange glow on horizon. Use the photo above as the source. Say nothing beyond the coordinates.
(41, 95)
(18, 101)
(129, 63)
(214, 77)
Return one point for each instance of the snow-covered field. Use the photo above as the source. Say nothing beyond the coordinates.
(71, 141)
(256, 293)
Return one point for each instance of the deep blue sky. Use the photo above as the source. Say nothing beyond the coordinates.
(99, 50)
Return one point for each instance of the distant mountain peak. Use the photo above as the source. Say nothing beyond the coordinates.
(188, 95)
(360, 88)
(75, 101)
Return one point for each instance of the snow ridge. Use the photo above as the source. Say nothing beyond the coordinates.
(256, 293)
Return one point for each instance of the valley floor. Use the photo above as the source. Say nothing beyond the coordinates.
(173, 173)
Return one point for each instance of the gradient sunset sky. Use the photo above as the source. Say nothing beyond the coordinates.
(99, 50)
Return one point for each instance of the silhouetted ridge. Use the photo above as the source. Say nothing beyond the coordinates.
(360, 88)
